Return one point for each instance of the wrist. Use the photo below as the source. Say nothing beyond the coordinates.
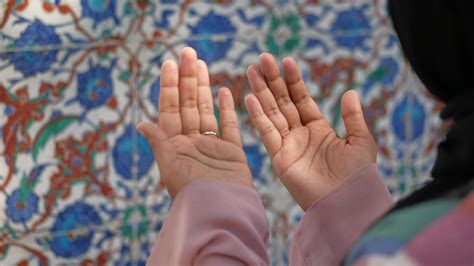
(328, 188)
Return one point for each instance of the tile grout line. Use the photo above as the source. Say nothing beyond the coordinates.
(99, 44)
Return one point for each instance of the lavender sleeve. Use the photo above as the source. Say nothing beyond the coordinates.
(331, 226)
(213, 223)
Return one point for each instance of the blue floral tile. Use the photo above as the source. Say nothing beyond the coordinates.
(72, 23)
(73, 218)
(409, 137)
(79, 184)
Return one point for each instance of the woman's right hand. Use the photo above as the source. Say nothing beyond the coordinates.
(306, 152)
(182, 149)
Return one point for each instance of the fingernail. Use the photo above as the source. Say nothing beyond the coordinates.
(138, 127)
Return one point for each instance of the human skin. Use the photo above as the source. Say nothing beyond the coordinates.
(306, 152)
(186, 110)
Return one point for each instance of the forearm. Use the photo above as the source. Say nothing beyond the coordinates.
(331, 225)
(213, 223)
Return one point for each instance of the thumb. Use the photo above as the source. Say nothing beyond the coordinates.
(162, 148)
(353, 116)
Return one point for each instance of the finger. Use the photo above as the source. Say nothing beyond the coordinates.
(169, 119)
(164, 152)
(267, 130)
(205, 103)
(278, 88)
(162, 148)
(353, 116)
(229, 122)
(188, 91)
(266, 99)
(306, 106)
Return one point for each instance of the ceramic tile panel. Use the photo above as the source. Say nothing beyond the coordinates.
(79, 185)
(1, 19)
(70, 23)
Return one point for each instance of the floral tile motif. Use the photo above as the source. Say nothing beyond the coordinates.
(69, 23)
(79, 185)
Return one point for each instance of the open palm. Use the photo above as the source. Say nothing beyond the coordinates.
(306, 152)
(186, 111)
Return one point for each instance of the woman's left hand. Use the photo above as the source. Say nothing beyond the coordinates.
(306, 153)
(186, 111)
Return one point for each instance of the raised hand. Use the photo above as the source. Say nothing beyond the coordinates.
(186, 111)
(306, 153)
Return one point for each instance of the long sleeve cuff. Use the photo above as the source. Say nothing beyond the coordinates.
(331, 226)
(213, 223)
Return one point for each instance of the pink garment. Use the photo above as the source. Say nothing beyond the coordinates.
(330, 226)
(456, 230)
(213, 223)
(216, 223)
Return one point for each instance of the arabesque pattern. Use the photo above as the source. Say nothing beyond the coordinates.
(79, 185)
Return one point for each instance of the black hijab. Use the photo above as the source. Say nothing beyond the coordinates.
(437, 37)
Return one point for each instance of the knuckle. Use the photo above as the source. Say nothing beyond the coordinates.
(273, 78)
(353, 114)
(295, 82)
(171, 109)
(205, 108)
(189, 102)
(267, 130)
(284, 100)
(230, 124)
(303, 99)
(272, 111)
(284, 132)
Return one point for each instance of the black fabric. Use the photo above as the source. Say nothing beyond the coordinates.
(437, 37)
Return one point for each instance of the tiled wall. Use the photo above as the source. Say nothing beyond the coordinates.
(79, 185)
